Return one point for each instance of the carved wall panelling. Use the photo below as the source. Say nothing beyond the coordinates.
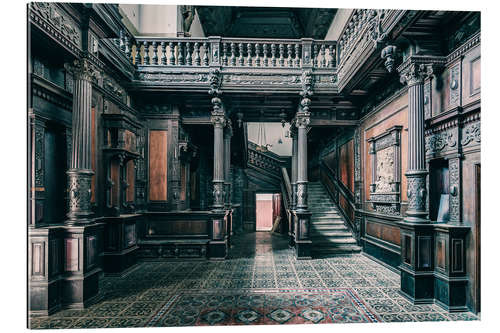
(455, 85)
(57, 24)
(385, 191)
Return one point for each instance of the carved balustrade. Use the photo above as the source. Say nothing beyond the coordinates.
(229, 52)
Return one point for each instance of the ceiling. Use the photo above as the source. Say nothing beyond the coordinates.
(265, 22)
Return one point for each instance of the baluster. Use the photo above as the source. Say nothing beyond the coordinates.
(289, 61)
(331, 53)
(163, 47)
(241, 60)
(282, 53)
(266, 59)
(273, 55)
(297, 55)
(189, 57)
(224, 51)
(146, 53)
(205, 54)
(233, 54)
(257, 55)
(249, 55)
(121, 41)
(180, 57)
(197, 59)
(155, 54)
(323, 58)
(137, 54)
(171, 59)
(315, 55)
(128, 49)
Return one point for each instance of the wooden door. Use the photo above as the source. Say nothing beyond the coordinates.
(249, 210)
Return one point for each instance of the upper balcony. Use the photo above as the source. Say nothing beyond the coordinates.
(246, 64)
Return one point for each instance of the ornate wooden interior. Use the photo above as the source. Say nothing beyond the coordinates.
(139, 147)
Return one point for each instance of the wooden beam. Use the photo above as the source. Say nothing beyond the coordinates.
(328, 122)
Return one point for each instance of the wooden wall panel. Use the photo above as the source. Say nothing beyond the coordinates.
(158, 165)
(130, 141)
(346, 207)
(93, 152)
(384, 232)
(131, 181)
(346, 164)
(183, 182)
(395, 113)
(115, 178)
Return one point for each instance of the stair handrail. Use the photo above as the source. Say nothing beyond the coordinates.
(286, 193)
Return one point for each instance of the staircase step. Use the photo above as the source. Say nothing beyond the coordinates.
(333, 241)
(333, 233)
(329, 227)
(328, 221)
(326, 216)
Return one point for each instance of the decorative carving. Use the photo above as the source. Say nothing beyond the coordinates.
(301, 194)
(215, 80)
(52, 14)
(454, 169)
(82, 69)
(416, 192)
(218, 194)
(427, 100)
(471, 132)
(79, 192)
(39, 168)
(385, 170)
(387, 209)
(415, 73)
(454, 85)
(389, 55)
(187, 12)
(376, 33)
(439, 141)
(357, 155)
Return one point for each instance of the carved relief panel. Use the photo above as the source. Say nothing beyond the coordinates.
(385, 152)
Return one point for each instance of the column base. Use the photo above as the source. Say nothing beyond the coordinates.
(450, 293)
(217, 250)
(418, 287)
(81, 291)
(303, 249)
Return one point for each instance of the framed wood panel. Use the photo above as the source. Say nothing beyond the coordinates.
(158, 165)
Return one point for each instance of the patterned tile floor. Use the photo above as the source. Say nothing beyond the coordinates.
(257, 261)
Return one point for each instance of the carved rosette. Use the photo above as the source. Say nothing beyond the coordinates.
(79, 192)
(471, 132)
(439, 141)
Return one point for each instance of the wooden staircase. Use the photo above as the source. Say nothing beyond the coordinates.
(329, 234)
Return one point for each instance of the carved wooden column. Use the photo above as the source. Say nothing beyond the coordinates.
(413, 74)
(218, 243)
(82, 238)
(228, 133)
(302, 120)
(417, 234)
(80, 173)
(291, 232)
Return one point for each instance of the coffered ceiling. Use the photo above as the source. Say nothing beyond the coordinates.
(266, 22)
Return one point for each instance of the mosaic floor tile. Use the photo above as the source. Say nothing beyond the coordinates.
(260, 277)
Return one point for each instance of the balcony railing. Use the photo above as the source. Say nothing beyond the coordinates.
(229, 52)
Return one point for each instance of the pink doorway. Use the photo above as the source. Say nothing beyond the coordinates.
(267, 206)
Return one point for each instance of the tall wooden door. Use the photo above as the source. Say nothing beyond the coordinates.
(249, 210)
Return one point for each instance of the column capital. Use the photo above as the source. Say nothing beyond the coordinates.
(302, 120)
(83, 69)
(218, 119)
(417, 68)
